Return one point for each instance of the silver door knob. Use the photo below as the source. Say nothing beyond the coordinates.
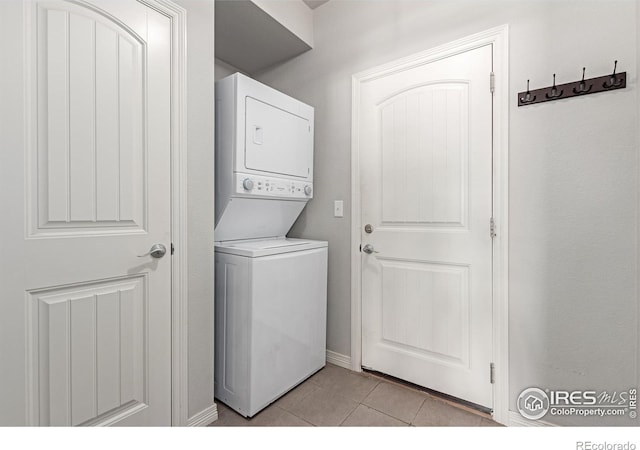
(156, 251)
(368, 249)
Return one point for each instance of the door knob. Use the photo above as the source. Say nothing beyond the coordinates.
(368, 249)
(156, 251)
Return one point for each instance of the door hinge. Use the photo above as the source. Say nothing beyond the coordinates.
(492, 373)
(492, 82)
(492, 228)
(172, 248)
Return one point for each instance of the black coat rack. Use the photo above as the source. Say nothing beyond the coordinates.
(574, 89)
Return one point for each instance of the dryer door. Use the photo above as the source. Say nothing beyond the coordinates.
(277, 141)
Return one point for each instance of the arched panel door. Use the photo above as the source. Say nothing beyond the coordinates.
(94, 185)
(426, 173)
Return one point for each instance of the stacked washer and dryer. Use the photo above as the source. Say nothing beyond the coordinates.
(271, 291)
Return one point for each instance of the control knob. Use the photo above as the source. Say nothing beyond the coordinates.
(247, 184)
(307, 190)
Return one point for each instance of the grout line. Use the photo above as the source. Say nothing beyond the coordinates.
(416, 414)
(394, 417)
(348, 415)
(389, 415)
(300, 400)
(369, 393)
(295, 415)
(298, 417)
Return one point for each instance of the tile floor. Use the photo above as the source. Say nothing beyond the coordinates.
(339, 397)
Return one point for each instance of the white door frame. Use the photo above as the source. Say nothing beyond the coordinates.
(179, 287)
(179, 280)
(499, 38)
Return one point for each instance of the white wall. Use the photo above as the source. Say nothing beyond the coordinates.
(637, 315)
(200, 222)
(13, 340)
(573, 173)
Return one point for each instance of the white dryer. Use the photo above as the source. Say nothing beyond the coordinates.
(271, 291)
(264, 159)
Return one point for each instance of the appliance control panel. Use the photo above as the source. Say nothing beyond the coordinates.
(255, 185)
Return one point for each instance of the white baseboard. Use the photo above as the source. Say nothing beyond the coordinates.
(339, 359)
(204, 417)
(516, 420)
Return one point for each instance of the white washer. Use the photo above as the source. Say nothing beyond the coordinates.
(271, 299)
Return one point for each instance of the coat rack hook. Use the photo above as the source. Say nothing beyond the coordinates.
(613, 80)
(582, 87)
(579, 87)
(554, 90)
(528, 98)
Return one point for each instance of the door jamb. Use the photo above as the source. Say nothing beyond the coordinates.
(179, 266)
(499, 38)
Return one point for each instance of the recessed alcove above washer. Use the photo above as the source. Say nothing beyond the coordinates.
(252, 35)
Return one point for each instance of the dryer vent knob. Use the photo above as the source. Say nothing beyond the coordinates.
(307, 190)
(247, 184)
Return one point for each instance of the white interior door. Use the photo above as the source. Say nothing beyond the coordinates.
(85, 193)
(425, 136)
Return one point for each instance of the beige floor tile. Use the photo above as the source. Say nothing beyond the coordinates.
(324, 408)
(337, 380)
(299, 393)
(440, 414)
(363, 416)
(396, 401)
(228, 417)
(277, 417)
(337, 396)
(272, 416)
(489, 423)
